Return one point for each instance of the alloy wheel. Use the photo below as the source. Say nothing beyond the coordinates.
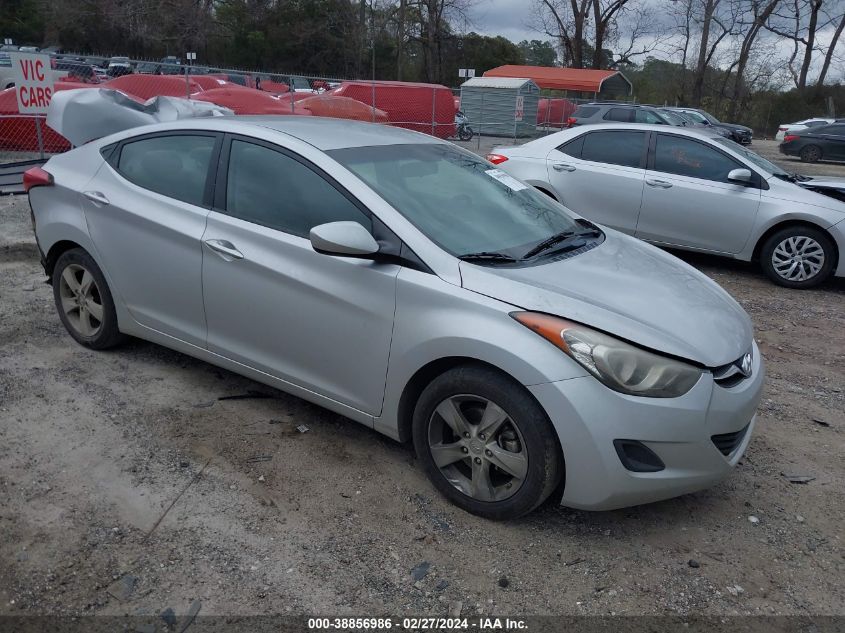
(477, 447)
(798, 258)
(81, 300)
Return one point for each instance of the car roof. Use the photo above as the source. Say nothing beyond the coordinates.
(324, 133)
(698, 132)
(327, 134)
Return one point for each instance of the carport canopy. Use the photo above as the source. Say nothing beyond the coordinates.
(574, 79)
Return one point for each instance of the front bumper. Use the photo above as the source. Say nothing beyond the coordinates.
(588, 417)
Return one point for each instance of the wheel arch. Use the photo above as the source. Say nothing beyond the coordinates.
(428, 372)
(546, 189)
(56, 251)
(786, 224)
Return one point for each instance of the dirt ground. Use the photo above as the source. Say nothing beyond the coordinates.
(129, 488)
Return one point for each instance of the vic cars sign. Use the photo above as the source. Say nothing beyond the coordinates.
(33, 77)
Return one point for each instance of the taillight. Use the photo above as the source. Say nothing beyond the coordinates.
(571, 122)
(36, 177)
(496, 159)
(790, 137)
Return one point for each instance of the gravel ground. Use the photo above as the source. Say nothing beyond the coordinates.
(129, 488)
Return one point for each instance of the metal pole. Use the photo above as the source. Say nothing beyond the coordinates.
(433, 108)
(480, 124)
(40, 138)
(518, 92)
(373, 47)
(188, 80)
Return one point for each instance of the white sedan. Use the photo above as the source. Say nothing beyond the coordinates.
(789, 128)
(693, 190)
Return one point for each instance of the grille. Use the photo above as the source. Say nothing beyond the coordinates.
(730, 375)
(727, 442)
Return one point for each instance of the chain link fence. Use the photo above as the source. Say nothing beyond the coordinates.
(427, 108)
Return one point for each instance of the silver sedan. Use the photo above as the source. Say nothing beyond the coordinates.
(692, 190)
(413, 287)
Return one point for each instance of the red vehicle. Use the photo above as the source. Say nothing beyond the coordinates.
(428, 108)
(554, 112)
(18, 132)
(249, 101)
(145, 87)
(331, 105)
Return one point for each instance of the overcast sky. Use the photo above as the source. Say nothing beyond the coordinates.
(508, 18)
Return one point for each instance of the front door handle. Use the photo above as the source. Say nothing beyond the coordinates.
(96, 197)
(658, 183)
(562, 167)
(224, 249)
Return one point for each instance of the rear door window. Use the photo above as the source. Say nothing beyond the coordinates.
(615, 147)
(647, 116)
(618, 114)
(573, 148)
(174, 165)
(584, 112)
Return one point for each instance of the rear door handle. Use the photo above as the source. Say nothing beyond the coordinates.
(96, 197)
(562, 167)
(658, 183)
(226, 250)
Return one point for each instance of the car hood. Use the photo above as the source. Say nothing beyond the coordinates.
(734, 126)
(824, 193)
(632, 290)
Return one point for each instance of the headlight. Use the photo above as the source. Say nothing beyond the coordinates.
(619, 365)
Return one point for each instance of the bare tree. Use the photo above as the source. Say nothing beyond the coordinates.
(831, 47)
(760, 11)
(587, 30)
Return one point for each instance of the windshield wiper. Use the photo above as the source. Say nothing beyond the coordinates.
(487, 256)
(557, 238)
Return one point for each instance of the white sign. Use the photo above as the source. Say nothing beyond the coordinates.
(520, 108)
(191, 56)
(506, 179)
(7, 41)
(470, 72)
(33, 78)
(466, 72)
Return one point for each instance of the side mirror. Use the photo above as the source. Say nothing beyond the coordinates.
(741, 176)
(347, 238)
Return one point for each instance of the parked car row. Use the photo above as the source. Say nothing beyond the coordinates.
(614, 111)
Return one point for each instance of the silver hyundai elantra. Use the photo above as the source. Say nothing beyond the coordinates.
(415, 288)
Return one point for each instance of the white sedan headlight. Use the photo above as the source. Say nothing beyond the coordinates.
(619, 365)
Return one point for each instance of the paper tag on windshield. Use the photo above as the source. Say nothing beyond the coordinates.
(507, 180)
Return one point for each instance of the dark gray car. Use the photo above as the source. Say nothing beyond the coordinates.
(613, 112)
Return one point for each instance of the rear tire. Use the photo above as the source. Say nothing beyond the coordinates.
(798, 257)
(84, 302)
(485, 443)
(811, 154)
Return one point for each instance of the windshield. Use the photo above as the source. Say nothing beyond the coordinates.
(673, 117)
(751, 156)
(461, 202)
(696, 116)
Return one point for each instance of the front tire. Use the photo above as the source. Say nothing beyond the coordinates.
(798, 257)
(465, 133)
(485, 443)
(84, 302)
(811, 154)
